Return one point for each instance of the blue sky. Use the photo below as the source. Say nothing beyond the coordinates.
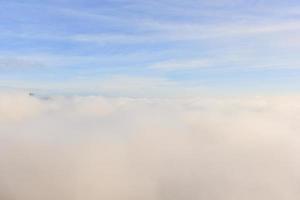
(150, 47)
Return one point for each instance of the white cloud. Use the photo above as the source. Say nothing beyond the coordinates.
(187, 64)
(16, 106)
(20, 62)
(159, 31)
(123, 148)
(117, 85)
(27, 61)
(241, 60)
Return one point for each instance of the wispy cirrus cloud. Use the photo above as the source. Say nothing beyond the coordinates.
(133, 38)
(159, 32)
(231, 61)
(183, 64)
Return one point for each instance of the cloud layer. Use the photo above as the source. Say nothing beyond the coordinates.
(73, 148)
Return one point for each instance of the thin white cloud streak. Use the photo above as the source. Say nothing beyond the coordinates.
(29, 61)
(123, 148)
(36, 60)
(12, 60)
(163, 31)
(183, 64)
(227, 62)
(122, 85)
(18, 60)
(88, 15)
(214, 60)
(195, 31)
(117, 85)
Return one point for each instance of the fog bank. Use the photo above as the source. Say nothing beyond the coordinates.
(91, 148)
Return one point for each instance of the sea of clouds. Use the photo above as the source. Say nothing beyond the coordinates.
(104, 148)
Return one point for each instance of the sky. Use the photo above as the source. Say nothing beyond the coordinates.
(150, 48)
(149, 100)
